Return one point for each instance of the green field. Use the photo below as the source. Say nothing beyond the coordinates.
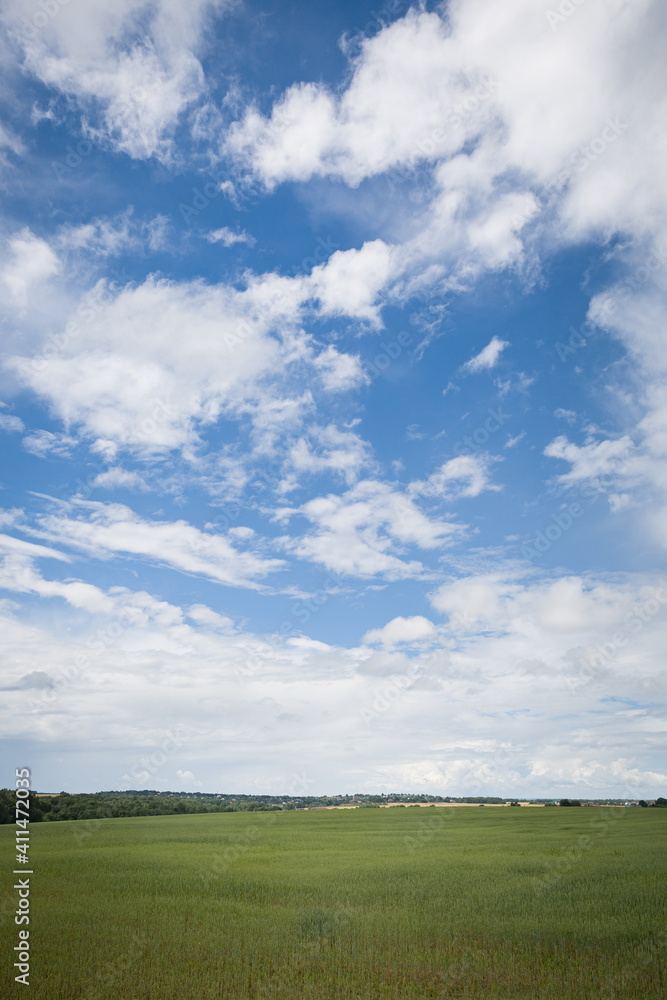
(368, 904)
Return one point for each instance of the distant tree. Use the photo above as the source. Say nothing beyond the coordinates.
(660, 803)
(570, 802)
(7, 806)
(643, 804)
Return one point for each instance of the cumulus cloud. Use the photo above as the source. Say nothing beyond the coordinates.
(509, 166)
(350, 281)
(137, 383)
(593, 460)
(339, 372)
(29, 264)
(506, 602)
(463, 476)
(271, 695)
(401, 630)
(327, 449)
(118, 478)
(496, 173)
(405, 84)
(365, 531)
(131, 67)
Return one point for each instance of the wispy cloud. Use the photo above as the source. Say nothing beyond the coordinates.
(487, 357)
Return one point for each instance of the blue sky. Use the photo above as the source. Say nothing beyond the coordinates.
(332, 396)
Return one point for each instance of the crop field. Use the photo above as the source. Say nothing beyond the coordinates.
(346, 905)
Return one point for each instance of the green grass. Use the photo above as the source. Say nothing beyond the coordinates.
(348, 905)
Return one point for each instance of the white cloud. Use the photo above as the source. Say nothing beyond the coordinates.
(512, 442)
(364, 532)
(187, 779)
(105, 529)
(118, 478)
(593, 460)
(146, 367)
(16, 545)
(130, 66)
(43, 443)
(328, 449)
(112, 236)
(339, 372)
(10, 424)
(10, 141)
(404, 85)
(487, 357)
(18, 574)
(401, 630)
(228, 237)
(136, 380)
(10, 517)
(205, 616)
(285, 700)
(551, 647)
(463, 476)
(349, 282)
(30, 264)
(507, 602)
(507, 168)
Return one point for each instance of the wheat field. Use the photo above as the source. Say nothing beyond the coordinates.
(346, 905)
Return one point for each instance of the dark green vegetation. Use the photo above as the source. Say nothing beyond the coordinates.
(148, 802)
(368, 904)
(108, 805)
